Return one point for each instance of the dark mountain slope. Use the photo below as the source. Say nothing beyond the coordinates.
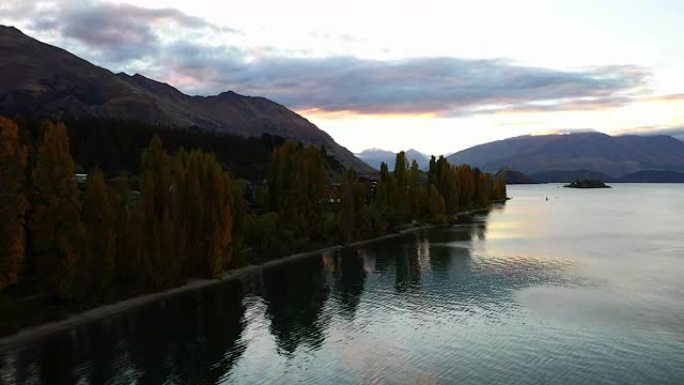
(40, 80)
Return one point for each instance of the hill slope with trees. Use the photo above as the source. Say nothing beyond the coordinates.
(66, 246)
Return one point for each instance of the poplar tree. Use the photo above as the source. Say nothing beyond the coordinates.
(126, 234)
(451, 185)
(187, 212)
(219, 217)
(157, 243)
(432, 169)
(57, 233)
(384, 188)
(414, 193)
(436, 206)
(238, 218)
(315, 190)
(296, 184)
(284, 182)
(399, 197)
(13, 202)
(98, 219)
(384, 172)
(349, 205)
(401, 168)
(467, 182)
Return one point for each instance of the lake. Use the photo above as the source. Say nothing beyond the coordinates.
(586, 287)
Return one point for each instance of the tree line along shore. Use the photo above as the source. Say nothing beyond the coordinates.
(68, 244)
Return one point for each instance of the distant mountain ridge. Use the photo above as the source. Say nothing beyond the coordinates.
(653, 176)
(375, 156)
(40, 80)
(570, 176)
(643, 176)
(612, 156)
(515, 177)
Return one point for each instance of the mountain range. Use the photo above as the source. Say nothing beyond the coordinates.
(375, 156)
(40, 80)
(550, 158)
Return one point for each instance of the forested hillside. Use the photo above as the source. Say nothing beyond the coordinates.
(74, 245)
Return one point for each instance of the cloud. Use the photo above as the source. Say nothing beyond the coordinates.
(666, 98)
(563, 131)
(676, 132)
(113, 33)
(200, 57)
(443, 86)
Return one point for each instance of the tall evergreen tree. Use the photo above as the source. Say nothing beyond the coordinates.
(13, 202)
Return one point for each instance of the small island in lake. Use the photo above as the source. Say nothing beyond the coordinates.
(587, 183)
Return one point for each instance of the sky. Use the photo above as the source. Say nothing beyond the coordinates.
(437, 76)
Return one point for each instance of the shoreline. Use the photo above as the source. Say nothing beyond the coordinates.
(28, 335)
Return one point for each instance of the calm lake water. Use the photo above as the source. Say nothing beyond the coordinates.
(585, 288)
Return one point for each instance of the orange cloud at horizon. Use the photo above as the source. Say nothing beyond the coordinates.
(320, 113)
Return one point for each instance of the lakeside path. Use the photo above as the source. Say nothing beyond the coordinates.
(29, 335)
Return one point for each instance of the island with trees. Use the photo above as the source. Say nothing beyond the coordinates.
(587, 183)
(67, 246)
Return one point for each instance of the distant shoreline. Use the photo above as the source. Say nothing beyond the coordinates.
(25, 336)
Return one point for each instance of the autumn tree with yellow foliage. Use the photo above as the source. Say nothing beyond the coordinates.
(13, 202)
(57, 232)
